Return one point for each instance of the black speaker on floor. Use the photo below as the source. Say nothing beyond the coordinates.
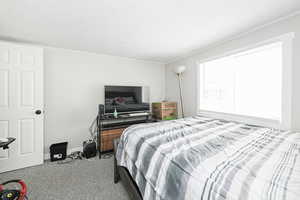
(58, 151)
(89, 149)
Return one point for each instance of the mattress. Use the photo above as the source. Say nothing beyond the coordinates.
(204, 158)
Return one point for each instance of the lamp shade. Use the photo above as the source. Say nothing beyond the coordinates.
(179, 69)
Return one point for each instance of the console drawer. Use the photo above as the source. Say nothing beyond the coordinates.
(107, 137)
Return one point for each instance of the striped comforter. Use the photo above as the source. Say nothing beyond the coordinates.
(203, 158)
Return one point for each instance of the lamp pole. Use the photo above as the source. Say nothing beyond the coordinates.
(180, 94)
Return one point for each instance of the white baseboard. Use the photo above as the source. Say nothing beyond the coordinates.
(69, 151)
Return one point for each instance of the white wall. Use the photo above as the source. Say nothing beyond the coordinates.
(291, 24)
(74, 86)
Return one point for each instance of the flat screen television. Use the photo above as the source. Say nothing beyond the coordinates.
(126, 99)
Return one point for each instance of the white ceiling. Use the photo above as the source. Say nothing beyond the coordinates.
(158, 30)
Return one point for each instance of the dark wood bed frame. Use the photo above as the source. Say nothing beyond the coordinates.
(123, 175)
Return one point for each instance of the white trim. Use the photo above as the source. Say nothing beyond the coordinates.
(242, 119)
(287, 76)
(18, 42)
(69, 151)
(287, 57)
(199, 51)
(197, 88)
(282, 38)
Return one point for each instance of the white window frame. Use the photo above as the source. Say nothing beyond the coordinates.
(286, 90)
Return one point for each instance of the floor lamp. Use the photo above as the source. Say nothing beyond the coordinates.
(179, 71)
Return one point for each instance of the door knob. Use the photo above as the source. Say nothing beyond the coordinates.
(38, 112)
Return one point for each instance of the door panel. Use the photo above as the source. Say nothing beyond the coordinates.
(27, 59)
(21, 93)
(26, 136)
(3, 134)
(4, 87)
(27, 89)
(4, 54)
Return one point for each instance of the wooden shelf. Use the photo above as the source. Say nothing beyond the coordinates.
(110, 129)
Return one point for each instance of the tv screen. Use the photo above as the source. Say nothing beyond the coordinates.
(126, 99)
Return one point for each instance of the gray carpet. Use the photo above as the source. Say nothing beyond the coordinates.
(80, 180)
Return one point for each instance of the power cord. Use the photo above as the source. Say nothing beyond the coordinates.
(93, 129)
(70, 158)
(107, 155)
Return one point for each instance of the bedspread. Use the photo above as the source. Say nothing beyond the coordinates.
(201, 158)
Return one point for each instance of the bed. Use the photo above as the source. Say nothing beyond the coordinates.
(204, 158)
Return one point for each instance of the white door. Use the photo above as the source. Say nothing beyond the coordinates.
(21, 95)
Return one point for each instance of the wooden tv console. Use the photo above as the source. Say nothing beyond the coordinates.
(111, 128)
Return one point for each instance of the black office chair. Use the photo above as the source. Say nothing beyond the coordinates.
(4, 145)
(12, 194)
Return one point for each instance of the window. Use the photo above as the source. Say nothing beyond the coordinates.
(247, 83)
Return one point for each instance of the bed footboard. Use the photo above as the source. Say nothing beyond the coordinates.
(116, 171)
(121, 173)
